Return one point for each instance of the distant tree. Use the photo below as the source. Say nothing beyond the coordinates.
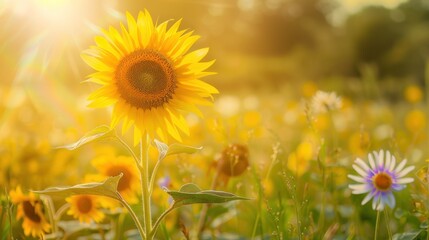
(396, 41)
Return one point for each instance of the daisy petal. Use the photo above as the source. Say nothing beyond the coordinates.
(380, 159)
(359, 188)
(405, 171)
(405, 180)
(362, 164)
(392, 164)
(401, 165)
(368, 197)
(376, 200)
(360, 171)
(357, 178)
(390, 200)
(371, 161)
(388, 160)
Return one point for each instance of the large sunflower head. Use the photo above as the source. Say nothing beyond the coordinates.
(30, 209)
(111, 165)
(148, 75)
(85, 208)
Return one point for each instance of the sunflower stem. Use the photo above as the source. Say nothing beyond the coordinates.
(376, 225)
(61, 211)
(161, 217)
(51, 209)
(144, 173)
(153, 177)
(133, 216)
(136, 159)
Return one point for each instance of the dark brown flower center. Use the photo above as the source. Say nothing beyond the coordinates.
(145, 79)
(84, 204)
(30, 211)
(382, 181)
(125, 181)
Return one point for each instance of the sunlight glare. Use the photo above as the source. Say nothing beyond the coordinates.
(53, 15)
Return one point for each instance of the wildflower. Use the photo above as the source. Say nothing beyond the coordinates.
(85, 208)
(228, 106)
(380, 178)
(30, 209)
(234, 160)
(323, 102)
(149, 77)
(413, 94)
(111, 165)
(299, 161)
(415, 121)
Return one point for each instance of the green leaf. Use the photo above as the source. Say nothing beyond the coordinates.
(75, 229)
(108, 188)
(162, 149)
(179, 148)
(407, 236)
(192, 194)
(94, 134)
(165, 150)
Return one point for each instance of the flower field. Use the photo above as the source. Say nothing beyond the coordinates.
(123, 120)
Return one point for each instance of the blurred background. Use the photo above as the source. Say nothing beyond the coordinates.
(266, 45)
(270, 56)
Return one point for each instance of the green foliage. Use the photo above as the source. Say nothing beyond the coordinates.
(106, 188)
(409, 235)
(175, 148)
(191, 194)
(95, 134)
(74, 229)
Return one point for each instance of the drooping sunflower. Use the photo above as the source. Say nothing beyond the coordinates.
(85, 208)
(149, 77)
(30, 209)
(111, 165)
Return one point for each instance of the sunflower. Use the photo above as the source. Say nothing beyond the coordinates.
(30, 209)
(149, 77)
(85, 208)
(111, 165)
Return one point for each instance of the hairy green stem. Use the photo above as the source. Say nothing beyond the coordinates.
(144, 173)
(118, 226)
(386, 219)
(133, 216)
(136, 159)
(153, 177)
(377, 223)
(161, 217)
(51, 209)
(61, 211)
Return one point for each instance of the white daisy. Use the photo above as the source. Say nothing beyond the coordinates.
(324, 101)
(380, 178)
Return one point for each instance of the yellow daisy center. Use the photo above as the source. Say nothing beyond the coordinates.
(30, 212)
(145, 79)
(84, 204)
(125, 181)
(382, 181)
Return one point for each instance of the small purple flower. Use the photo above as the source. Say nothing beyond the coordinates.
(380, 178)
(164, 182)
